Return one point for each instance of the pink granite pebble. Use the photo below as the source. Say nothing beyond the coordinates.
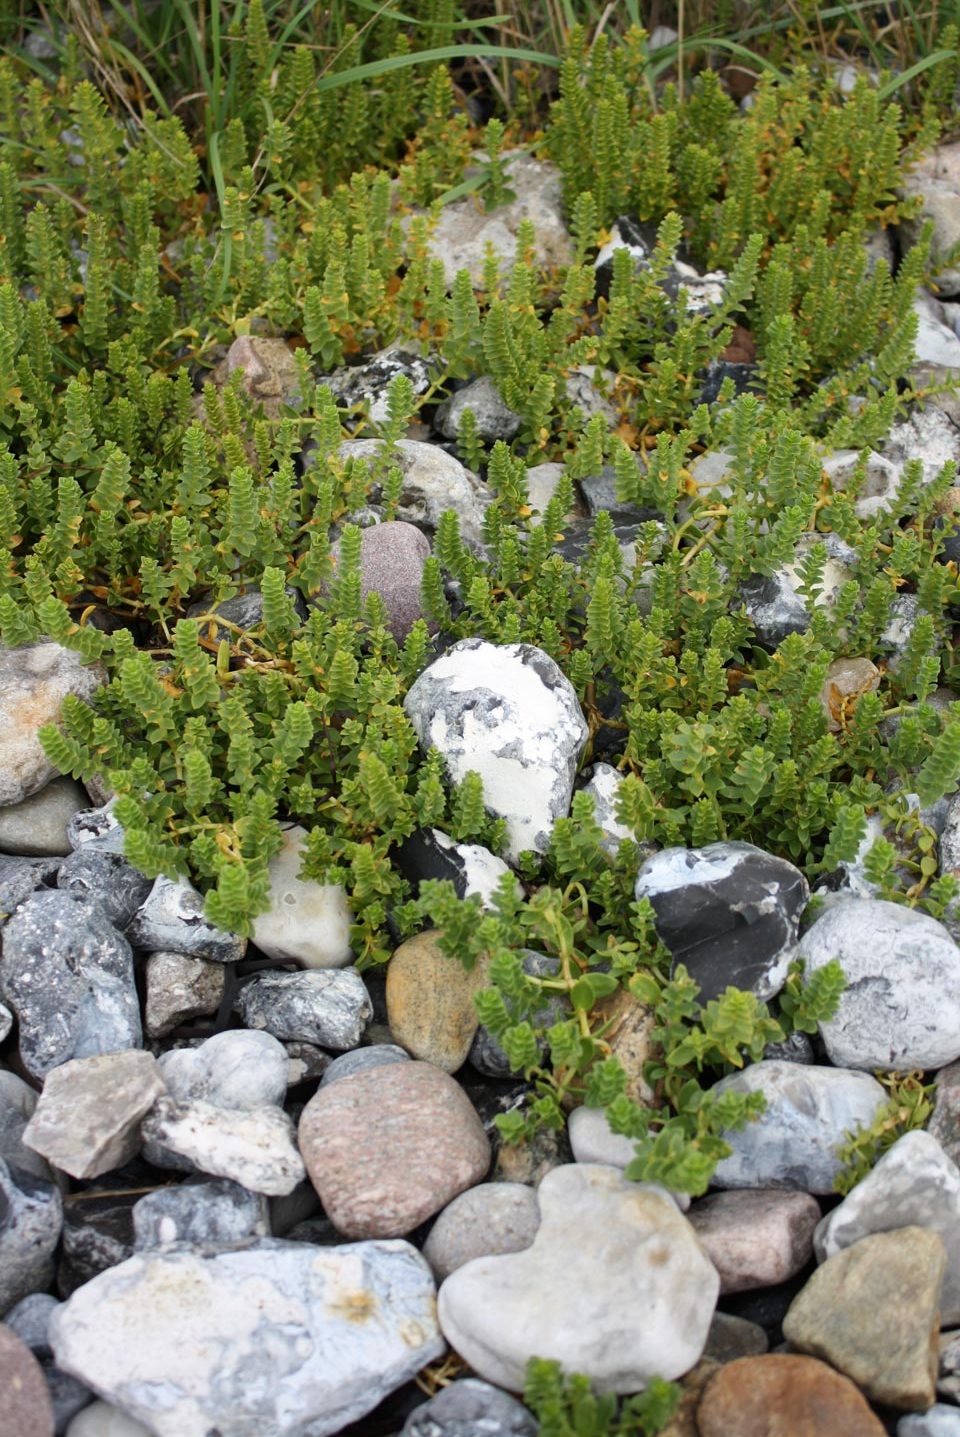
(25, 1406)
(756, 1237)
(392, 556)
(388, 1147)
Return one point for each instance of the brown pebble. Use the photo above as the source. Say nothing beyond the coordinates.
(25, 1406)
(780, 1395)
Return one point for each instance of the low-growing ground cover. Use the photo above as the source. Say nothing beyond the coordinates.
(490, 559)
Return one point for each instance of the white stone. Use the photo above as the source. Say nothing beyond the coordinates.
(235, 1069)
(936, 177)
(914, 1184)
(542, 481)
(88, 1118)
(901, 1007)
(936, 343)
(279, 1340)
(252, 1146)
(793, 1143)
(506, 712)
(940, 1420)
(592, 1141)
(615, 1285)
(37, 826)
(433, 481)
(171, 920)
(880, 487)
(482, 870)
(307, 922)
(102, 1419)
(603, 787)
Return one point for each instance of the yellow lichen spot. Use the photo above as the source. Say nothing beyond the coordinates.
(357, 1306)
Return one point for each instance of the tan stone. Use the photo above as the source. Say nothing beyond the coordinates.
(388, 1147)
(683, 1423)
(873, 1312)
(630, 1039)
(780, 1395)
(847, 680)
(430, 1002)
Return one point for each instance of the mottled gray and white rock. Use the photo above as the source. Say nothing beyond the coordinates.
(6, 1022)
(603, 784)
(359, 1059)
(306, 921)
(388, 1147)
(809, 1110)
(940, 1420)
(97, 1234)
(703, 292)
(542, 481)
(486, 1053)
(506, 712)
(97, 825)
(433, 481)
(170, 920)
(37, 826)
(471, 868)
(729, 912)
(774, 602)
(494, 417)
(178, 989)
(328, 1008)
(756, 1238)
(19, 877)
(236, 1069)
(901, 1007)
(251, 1146)
(282, 1338)
(914, 1184)
(460, 237)
(366, 384)
(88, 1118)
(621, 1294)
(935, 176)
(471, 1409)
(34, 681)
(31, 1218)
(879, 489)
(104, 875)
(488, 1219)
(68, 975)
(209, 1216)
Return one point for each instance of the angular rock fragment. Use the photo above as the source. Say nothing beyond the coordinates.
(88, 1118)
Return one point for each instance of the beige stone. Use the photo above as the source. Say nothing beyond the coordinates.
(430, 1002)
(88, 1118)
(847, 680)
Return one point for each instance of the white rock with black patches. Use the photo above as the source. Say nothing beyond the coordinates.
(507, 712)
(901, 1006)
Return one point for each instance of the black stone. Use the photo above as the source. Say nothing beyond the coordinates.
(735, 920)
(600, 493)
(97, 1234)
(742, 375)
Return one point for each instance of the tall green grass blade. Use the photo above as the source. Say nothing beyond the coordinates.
(938, 57)
(373, 69)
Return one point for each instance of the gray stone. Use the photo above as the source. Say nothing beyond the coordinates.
(88, 1118)
(495, 419)
(306, 922)
(506, 712)
(6, 1022)
(593, 1141)
(486, 1054)
(685, 286)
(106, 876)
(460, 237)
(280, 1338)
(583, 391)
(914, 1184)
(17, 1104)
(603, 784)
(96, 825)
(37, 826)
(487, 1219)
(68, 975)
(542, 481)
(207, 1216)
(731, 1337)
(251, 1146)
(935, 177)
(774, 603)
(19, 877)
(305, 1063)
(809, 1111)
(796, 1049)
(357, 1061)
(178, 989)
(901, 1007)
(102, 1419)
(366, 384)
(729, 912)
(880, 488)
(433, 482)
(621, 1293)
(244, 610)
(330, 1009)
(31, 1218)
(236, 1069)
(471, 1409)
(34, 681)
(170, 920)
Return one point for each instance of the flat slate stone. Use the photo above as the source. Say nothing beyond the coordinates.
(615, 1286)
(390, 1146)
(281, 1338)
